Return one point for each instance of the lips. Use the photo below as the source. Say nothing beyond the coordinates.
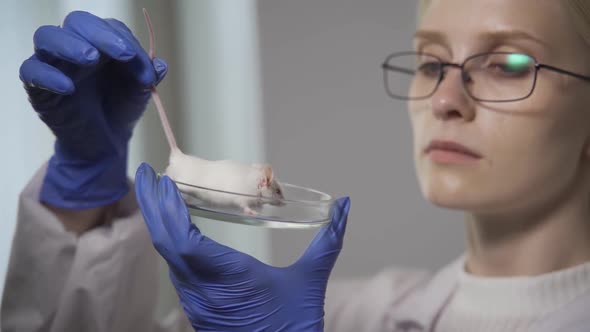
(451, 147)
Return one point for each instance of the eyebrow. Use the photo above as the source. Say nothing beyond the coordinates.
(436, 36)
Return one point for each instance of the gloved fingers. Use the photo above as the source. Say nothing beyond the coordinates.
(202, 254)
(340, 217)
(37, 74)
(140, 67)
(175, 215)
(146, 191)
(326, 245)
(99, 34)
(64, 45)
(161, 68)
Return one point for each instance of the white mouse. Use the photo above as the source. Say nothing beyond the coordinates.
(247, 186)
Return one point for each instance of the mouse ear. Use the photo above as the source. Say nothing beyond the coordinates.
(267, 176)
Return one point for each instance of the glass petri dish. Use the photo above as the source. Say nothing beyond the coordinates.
(301, 208)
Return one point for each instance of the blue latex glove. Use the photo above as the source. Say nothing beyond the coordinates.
(222, 289)
(88, 81)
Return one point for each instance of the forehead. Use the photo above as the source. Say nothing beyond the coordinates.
(463, 20)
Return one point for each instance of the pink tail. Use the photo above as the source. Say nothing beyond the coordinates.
(155, 95)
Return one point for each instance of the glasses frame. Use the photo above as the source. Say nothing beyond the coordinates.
(538, 66)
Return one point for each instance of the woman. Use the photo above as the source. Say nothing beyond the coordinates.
(523, 179)
(497, 104)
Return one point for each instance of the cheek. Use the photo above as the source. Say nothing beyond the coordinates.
(420, 116)
(521, 152)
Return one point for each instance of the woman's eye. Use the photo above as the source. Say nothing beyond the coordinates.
(513, 65)
(508, 69)
(430, 69)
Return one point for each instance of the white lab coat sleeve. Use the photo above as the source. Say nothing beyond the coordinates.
(105, 280)
(366, 304)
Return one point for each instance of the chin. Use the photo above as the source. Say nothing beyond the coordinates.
(453, 188)
(453, 197)
(465, 201)
(443, 201)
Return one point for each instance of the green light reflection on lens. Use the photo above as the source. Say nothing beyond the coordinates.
(518, 62)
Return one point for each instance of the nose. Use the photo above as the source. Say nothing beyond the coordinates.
(450, 100)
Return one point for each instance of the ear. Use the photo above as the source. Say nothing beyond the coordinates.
(269, 174)
(266, 176)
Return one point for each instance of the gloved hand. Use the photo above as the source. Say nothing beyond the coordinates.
(222, 289)
(88, 81)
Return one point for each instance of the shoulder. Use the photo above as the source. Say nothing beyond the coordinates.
(364, 303)
(571, 318)
(394, 297)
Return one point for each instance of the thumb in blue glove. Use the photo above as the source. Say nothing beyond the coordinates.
(222, 289)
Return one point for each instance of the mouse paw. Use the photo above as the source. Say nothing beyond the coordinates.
(250, 212)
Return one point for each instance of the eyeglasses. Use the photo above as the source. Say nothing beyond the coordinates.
(487, 77)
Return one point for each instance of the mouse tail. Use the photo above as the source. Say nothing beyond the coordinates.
(165, 123)
(155, 96)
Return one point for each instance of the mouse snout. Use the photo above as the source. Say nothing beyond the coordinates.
(273, 199)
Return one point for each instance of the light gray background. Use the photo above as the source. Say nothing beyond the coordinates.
(330, 125)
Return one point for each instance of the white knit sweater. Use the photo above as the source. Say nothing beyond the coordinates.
(486, 304)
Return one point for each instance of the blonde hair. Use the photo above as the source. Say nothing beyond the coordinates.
(422, 7)
(579, 10)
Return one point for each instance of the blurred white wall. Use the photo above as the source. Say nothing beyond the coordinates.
(212, 49)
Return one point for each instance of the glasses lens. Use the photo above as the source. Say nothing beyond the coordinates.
(411, 75)
(500, 76)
